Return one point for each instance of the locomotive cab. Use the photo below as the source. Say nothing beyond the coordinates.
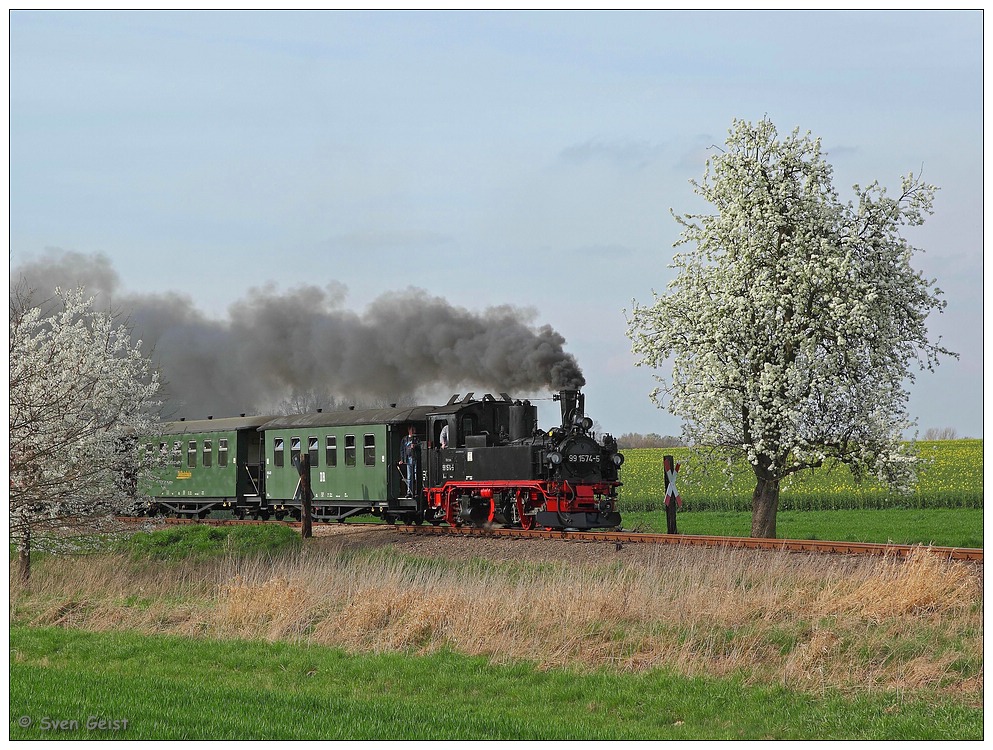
(474, 428)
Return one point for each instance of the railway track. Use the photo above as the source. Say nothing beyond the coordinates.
(630, 537)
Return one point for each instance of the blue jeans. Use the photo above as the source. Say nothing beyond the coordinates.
(411, 474)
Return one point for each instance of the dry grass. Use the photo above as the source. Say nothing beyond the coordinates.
(808, 623)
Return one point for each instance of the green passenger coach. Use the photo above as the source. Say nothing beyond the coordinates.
(354, 461)
(210, 464)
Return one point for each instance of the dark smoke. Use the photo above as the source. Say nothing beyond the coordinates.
(277, 344)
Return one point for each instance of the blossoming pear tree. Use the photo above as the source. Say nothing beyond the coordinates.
(81, 396)
(794, 318)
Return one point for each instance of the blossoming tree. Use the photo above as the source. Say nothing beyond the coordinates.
(794, 319)
(81, 394)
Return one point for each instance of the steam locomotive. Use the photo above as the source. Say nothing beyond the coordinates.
(497, 468)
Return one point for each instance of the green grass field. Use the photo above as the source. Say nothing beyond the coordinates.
(941, 527)
(951, 476)
(165, 687)
(201, 542)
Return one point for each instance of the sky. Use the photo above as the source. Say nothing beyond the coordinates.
(524, 159)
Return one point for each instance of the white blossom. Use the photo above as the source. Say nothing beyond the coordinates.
(794, 318)
(81, 396)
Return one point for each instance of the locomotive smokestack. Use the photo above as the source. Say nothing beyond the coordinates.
(573, 405)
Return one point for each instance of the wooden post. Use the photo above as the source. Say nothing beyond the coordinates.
(672, 498)
(306, 496)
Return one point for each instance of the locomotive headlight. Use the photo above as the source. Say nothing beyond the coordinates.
(555, 458)
(618, 459)
(586, 424)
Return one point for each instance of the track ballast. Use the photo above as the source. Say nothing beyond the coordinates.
(630, 537)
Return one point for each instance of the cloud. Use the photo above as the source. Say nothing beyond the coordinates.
(389, 239)
(842, 152)
(623, 153)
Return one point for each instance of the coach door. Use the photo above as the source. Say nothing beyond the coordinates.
(436, 457)
(251, 473)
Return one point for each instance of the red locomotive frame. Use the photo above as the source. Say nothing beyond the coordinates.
(528, 497)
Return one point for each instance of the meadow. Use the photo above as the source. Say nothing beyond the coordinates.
(756, 645)
(64, 683)
(939, 527)
(950, 476)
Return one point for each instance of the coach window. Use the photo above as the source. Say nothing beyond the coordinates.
(349, 450)
(191, 455)
(277, 451)
(313, 450)
(222, 451)
(294, 450)
(369, 450)
(331, 453)
(208, 452)
(177, 453)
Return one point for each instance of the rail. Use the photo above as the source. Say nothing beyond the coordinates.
(789, 545)
(971, 554)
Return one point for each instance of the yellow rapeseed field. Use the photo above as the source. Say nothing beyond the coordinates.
(951, 476)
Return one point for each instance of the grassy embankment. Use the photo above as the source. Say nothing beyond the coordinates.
(688, 644)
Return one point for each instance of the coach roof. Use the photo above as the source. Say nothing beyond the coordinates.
(227, 424)
(351, 417)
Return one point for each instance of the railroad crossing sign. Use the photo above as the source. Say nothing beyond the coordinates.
(671, 493)
(672, 498)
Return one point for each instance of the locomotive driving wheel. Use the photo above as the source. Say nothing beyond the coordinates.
(526, 521)
(453, 513)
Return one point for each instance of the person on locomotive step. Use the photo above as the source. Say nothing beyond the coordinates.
(444, 436)
(410, 449)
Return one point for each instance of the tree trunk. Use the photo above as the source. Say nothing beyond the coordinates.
(765, 504)
(24, 556)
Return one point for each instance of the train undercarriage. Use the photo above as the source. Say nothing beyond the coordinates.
(518, 504)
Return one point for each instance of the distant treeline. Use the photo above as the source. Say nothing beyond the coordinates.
(651, 440)
(940, 433)
(654, 440)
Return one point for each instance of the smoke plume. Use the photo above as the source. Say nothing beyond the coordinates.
(276, 344)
